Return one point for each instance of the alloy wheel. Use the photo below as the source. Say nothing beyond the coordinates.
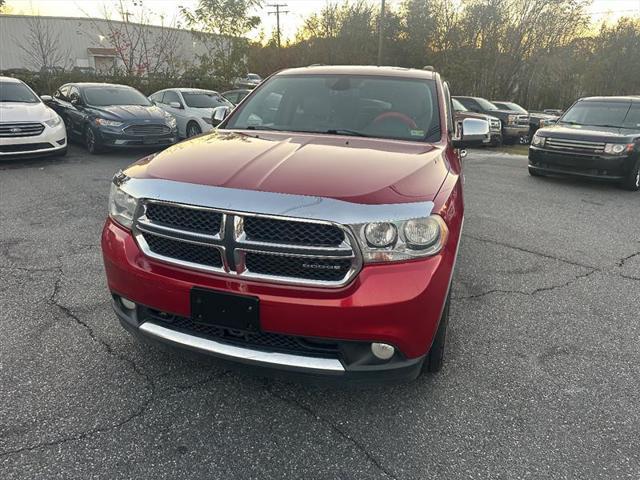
(193, 130)
(90, 140)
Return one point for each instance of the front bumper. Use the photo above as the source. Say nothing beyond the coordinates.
(117, 138)
(510, 131)
(399, 304)
(603, 167)
(50, 142)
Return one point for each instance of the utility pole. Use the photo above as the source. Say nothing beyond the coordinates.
(380, 33)
(277, 13)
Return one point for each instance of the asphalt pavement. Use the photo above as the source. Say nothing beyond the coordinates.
(541, 379)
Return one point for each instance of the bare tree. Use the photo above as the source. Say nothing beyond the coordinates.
(43, 47)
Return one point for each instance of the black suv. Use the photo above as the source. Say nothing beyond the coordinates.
(597, 137)
(515, 126)
(105, 115)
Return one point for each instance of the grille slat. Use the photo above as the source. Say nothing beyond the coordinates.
(580, 146)
(310, 268)
(191, 219)
(291, 232)
(147, 129)
(184, 251)
(24, 147)
(21, 129)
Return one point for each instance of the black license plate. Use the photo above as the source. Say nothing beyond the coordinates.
(221, 309)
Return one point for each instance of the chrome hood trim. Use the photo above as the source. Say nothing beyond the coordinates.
(270, 203)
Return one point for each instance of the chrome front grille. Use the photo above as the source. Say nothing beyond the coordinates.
(21, 129)
(247, 245)
(575, 146)
(147, 129)
(494, 125)
(523, 120)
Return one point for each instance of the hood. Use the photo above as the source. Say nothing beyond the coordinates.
(25, 112)
(355, 169)
(126, 113)
(468, 114)
(590, 132)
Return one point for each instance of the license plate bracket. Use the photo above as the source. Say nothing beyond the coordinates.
(223, 309)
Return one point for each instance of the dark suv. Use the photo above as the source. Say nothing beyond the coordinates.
(515, 126)
(597, 137)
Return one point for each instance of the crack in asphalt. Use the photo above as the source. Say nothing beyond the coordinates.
(533, 252)
(622, 261)
(531, 293)
(333, 427)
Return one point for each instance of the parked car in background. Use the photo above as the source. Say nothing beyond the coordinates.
(237, 95)
(515, 126)
(252, 80)
(495, 125)
(191, 107)
(318, 238)
(536, 119)
(598, 137)
(104, 115)
(27, 126)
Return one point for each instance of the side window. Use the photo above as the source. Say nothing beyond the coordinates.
(232, 97)
(170, 96)
(467, 102)
(157, 97)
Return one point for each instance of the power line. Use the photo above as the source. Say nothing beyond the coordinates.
(277, 13)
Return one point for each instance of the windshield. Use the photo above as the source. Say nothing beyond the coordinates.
(604, 114)
(105, 96)
(371, 106)
(486, 104)
(457, 106)
(204, 100)
(514, 107)
(17, 92)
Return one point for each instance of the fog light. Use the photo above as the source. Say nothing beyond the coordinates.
(128, 304)
(382, 351)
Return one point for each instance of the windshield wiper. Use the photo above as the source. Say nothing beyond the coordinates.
(606, 126)
(261, 127)
(345, 131)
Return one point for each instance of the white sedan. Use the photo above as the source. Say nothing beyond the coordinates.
(27, 126)
(192, 108)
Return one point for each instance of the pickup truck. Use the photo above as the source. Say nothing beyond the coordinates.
(312, 237)
(515, 126)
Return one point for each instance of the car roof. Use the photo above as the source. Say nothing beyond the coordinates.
(360, 70)
(192, 90)
(620, 98)
(98, 84)
(10, 80)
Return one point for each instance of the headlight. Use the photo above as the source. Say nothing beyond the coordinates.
(617, 148)
(401, 240)
(171, 121)
(107, 123)
(538, 140)
(380, 234)
(122, 206)
(511, 119)
(207, 120)
(54, 122)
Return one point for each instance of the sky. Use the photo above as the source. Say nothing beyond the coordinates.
(298, 10)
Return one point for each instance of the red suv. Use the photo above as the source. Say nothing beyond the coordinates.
(315, 231)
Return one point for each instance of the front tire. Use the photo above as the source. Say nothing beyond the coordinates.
(435, 358)
(91, 141)
(632, 182)
(193, 129)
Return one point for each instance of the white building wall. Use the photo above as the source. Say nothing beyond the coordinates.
(76, 35)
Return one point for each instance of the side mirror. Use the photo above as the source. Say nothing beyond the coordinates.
(219, 114)
(175, 105)
(75, 101)
(46, 98)
(471, 132)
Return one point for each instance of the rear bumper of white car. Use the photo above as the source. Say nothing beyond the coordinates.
(21, 139)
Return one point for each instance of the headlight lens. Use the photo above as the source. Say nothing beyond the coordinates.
(122, 206)
(617, 148)
(538, 140)
(401, 240)
(54, 122)
(381, 234)
(511, 119)
(107, 123)
(171, 121)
